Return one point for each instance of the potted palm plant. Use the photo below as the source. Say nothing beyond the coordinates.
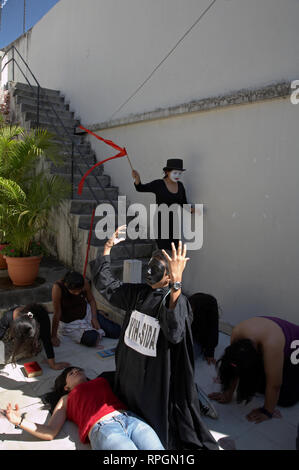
(27, 195)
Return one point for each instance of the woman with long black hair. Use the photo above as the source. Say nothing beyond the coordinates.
(261, 358)
(22, 330)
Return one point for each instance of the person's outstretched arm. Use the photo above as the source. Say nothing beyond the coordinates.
(46, 432)
(119, 294)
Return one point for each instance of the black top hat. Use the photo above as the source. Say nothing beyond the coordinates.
(174, 164)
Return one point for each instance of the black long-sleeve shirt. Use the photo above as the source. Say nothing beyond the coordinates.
(154, 359)
(44, 333)
(164, 196)
(162, 193)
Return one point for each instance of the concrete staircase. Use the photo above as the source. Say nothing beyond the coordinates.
(98, 188)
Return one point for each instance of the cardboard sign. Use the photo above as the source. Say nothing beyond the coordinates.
(142, 334)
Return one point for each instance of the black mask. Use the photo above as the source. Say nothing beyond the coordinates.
(155, 271)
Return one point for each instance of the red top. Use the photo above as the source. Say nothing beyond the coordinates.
(90, 401)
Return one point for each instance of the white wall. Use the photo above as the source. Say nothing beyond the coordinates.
(99, 51)
(242, 164)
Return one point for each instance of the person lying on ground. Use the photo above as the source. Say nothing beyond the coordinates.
(22, 330)
(260, 359)
(102, 419)
(75, 312)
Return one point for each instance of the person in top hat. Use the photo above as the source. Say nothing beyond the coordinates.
(168, 190)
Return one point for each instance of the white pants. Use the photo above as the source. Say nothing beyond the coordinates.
(76, 328)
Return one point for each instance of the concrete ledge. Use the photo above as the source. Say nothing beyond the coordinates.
(278, 90)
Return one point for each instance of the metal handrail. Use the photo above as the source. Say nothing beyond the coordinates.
(66, 132)
(13, 60)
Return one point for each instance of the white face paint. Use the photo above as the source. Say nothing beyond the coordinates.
(175, 175)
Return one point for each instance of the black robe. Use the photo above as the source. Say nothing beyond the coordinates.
(159, 389)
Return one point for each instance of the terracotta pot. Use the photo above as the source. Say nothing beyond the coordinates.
(3, 264)
(23, 271)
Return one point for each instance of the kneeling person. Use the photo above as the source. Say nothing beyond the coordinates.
(154, 357)
(75, 312)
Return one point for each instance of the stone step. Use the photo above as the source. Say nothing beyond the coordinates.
(32, 95)
(18, 86)
(61, 131)
(65, 141)
(79, 169)
(85, 220)
(46, 110)
(82, 206)
(78, 152)
(92, 180)
(50, 119)
(96, 193)
(86, 159)
(32, 101)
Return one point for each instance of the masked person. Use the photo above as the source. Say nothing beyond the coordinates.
(169, 190)
(154, 356)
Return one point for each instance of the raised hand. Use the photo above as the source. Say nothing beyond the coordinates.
(136, 176)
(115, 239)
(177, 261)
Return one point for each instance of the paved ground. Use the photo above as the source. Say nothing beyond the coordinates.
(279, 434)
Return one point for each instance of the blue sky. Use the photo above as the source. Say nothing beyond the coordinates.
(12, 17)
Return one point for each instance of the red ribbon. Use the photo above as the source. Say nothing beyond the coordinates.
(122, 153)
(88, 245)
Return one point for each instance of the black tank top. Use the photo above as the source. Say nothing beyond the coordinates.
(73, 307)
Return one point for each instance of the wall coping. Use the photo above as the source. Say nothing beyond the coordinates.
(274, 91)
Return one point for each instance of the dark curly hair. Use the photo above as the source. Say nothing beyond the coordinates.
(241, 360)
(25, 330)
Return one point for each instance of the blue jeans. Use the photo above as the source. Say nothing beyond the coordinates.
(111, 329)
(125, 431)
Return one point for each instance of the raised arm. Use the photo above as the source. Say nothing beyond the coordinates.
(119, 294)
(46, 432)
(143, 188)
(173, 317)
